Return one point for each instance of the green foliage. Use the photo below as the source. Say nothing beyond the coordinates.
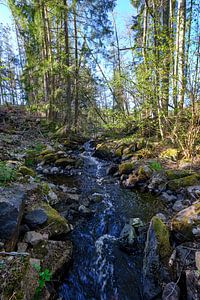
(31, 154)
(6, 173)
(155, 166)
(44, 276)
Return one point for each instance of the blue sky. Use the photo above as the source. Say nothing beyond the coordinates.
(123, 12)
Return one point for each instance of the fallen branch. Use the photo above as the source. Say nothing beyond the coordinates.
(3, 253)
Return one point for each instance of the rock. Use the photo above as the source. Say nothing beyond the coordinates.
(112, 169)
(54, 170)
(162, 217)
(96, 197)
(171, 292)
(144, 172)
(193, 284)
(190, 180)
(128, 234)
(55, 225)
(103, 151)
(157, 253)
(49, 158)
(196, 231)
(35, 218)
(185, 220)
(19, 279)
(170, 153)
(67, 161)
(22, 247)
(167, 198)
(26, 171)
(33, 237)
(54, 255)
(197, 259)
(178, 206)
(194, 192)
(84, 210)
(177, 174)
(11, 211)
(118, 152)
(126, 168)
(157, 182)
(53, 198)
(131, 181)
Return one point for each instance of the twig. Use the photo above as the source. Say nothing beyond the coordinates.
(3, 253)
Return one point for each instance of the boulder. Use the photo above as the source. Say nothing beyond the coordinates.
(131, 181)
(171, 292)
(103, 151)
(178, 205)
(18, 278)
(157, 253)
(126, 168)
(193, 284)
(54, 255)
(112, 169)
(11, 211)
(96, 197)
(55, 225)
(26, 171)
(176, 174)
(194, 192)
(186, 181)
(67, 161)
(185, 220)
(157, 182)
(33, 237)
(35, 218)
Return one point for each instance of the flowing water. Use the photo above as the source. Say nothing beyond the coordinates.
(100, 270)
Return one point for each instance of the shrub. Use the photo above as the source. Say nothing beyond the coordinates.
(6, 173)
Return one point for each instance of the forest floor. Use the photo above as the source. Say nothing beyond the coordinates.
(33, 235)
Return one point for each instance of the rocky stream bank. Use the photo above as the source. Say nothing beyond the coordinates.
(99, 221)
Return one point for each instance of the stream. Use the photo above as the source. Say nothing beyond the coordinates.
(100, 269)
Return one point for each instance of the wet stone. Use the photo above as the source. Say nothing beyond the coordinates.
(35, 218)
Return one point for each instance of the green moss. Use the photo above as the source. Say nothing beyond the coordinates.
(162, 236)
(16, 274)
(176, 174)
(46, 151)
(183, 182)
(55, 224)
(118, 152)
(186, 219)
(126, 168)
(63, 162)
(50, 158)
(26, 171)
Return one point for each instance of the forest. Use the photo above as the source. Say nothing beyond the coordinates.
(100, 150)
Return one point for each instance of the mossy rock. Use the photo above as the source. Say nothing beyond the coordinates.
(50, 158)
(47, 151)
(176, 174)
(20, 279)
(184, 182)
(54, 255)
(126, 168)
(162, 237)
(186, 219)
(56, 224)
(170, 153)
(67, 161)
(118, 152)
(144, 172)
(104, 151)
(26, 171)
